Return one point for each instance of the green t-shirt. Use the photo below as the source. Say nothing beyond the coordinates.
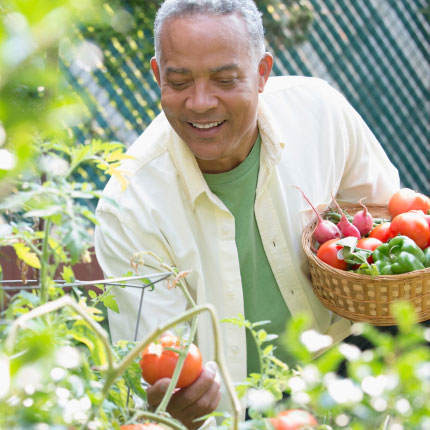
(262, 297)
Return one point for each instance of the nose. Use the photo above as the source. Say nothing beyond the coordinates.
(201, 98)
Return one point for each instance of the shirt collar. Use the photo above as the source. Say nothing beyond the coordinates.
(189, 172)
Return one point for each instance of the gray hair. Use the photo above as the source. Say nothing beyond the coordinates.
(183, 8)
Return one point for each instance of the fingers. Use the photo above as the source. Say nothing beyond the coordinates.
(198, 399)
(155, 393)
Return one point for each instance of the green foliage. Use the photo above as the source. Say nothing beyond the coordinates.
(385, 387)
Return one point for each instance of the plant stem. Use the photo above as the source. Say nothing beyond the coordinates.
(44, 278)
(182, 356)
(219, 356)
(160, 419)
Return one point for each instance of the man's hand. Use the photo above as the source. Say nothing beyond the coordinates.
(196, 400)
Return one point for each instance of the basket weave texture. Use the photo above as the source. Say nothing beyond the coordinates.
(359, 297)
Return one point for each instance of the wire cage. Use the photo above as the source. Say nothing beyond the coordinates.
(150, 281)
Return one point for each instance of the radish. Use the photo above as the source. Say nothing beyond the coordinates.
(363, 220)
(325, 229)
(346, 228)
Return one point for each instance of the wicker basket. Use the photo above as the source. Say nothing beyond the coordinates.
(359, 297)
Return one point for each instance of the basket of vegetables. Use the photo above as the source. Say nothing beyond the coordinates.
(363, 259)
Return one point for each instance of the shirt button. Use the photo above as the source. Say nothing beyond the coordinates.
(235, 349)
(225, 230)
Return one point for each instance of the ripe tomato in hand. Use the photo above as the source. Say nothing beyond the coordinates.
(327, 252)
(146, 426)
(293, 419)
(405, 200)
(369, 243)
(158, 361)
(413, 225)
(382, 232)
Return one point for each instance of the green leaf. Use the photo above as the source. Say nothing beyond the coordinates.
(110, 302)
(24, 253)
(67, 274)
(92, 294)
(132, 378)
(44, 212)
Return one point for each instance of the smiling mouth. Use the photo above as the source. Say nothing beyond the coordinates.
(206, 126)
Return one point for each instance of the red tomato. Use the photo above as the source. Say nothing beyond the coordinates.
(405, 200)
(146, 426)
(369, 243)
(327, 252)
(293, 419)
(413, 225)
(158, 362)
(382, 232)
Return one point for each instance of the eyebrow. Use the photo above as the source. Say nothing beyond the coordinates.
(184, 71)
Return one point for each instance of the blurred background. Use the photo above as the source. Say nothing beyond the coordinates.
(376, 52)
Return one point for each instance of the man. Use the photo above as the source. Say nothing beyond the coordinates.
(211, 186)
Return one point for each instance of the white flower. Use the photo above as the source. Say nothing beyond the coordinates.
(315, 341)
(7, 160)
(76, 410)
(54, 165)
(296, 383)
(344, 391)
(4, 375)
(350, 352)
(374, 385)
(379, 404)
(58, 373)
(68, 357)
(403, 406)
(260, 400)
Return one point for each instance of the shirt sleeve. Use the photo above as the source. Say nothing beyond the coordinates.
(368, 171)
(115, 245)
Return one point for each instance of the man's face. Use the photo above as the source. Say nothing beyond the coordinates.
(209, 87)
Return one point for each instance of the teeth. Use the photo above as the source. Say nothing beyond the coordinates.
(210, 125)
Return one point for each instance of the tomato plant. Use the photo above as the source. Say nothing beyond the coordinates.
(328, 251)
(405, 200)
(369, 243)
(159, 361)
(293, 419)
(382, 232)
(413, 225)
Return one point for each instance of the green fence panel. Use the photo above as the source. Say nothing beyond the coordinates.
(376, 52)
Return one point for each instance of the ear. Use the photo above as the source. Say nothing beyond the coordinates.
(264, 70)
(156, 70)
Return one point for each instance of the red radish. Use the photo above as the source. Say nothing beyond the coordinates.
(363, 220)
(346, 228)
(325, 229)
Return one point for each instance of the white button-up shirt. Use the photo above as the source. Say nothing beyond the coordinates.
(312, 138)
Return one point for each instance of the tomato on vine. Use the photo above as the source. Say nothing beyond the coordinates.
(293, 419)
(159, 361)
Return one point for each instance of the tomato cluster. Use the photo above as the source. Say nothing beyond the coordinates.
(409, 216)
